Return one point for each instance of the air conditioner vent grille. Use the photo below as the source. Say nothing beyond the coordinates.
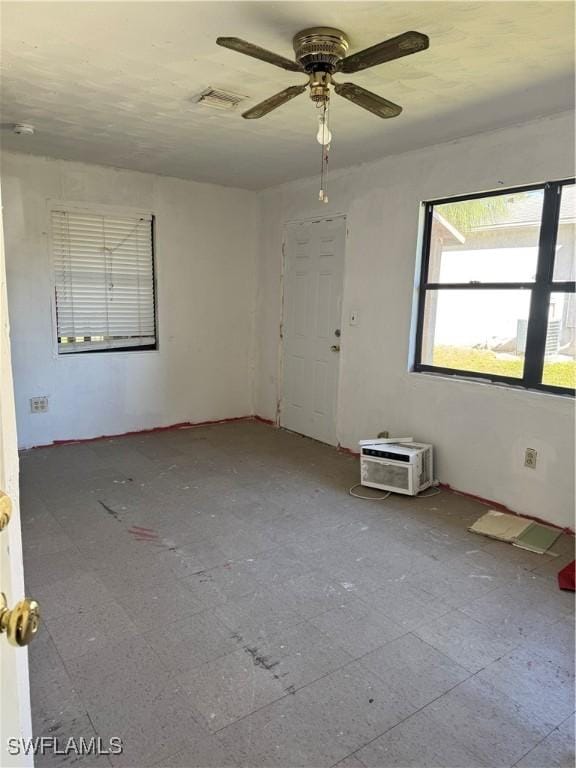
(217, 99)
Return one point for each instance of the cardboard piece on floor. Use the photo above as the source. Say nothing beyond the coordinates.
(500, 526)
(537, 538)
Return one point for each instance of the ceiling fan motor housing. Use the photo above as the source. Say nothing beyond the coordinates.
(320, 49)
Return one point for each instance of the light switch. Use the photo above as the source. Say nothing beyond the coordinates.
(354, 317)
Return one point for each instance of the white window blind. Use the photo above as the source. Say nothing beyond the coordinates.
(104, 281)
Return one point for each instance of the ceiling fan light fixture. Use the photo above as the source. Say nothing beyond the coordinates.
(324, 135)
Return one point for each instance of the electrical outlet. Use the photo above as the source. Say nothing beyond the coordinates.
(38, 404)
(530, 457)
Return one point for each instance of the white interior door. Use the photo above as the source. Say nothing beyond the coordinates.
(313, 280)
(15, 720)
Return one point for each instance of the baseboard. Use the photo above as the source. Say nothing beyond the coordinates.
(179, 425)
(262, 420)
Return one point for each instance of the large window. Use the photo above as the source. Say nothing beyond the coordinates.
(497, 297)
(104, 277)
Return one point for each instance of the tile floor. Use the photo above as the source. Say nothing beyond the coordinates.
(214, 597)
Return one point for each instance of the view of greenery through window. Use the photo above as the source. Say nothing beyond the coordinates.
(495, 240)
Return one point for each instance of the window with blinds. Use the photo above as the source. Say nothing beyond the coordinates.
(104, 267)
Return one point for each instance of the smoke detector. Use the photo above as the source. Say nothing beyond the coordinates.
(217, 99)
(23, 129)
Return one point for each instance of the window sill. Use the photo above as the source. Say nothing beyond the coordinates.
(502, 385)
(96, 355)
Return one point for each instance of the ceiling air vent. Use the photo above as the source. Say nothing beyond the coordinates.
(216, 99)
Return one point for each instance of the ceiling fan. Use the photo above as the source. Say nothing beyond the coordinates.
(320, 53)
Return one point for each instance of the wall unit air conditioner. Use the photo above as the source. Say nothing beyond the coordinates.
(398, 467)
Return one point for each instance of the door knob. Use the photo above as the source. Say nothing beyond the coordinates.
(335, 348)
(5, 510)
(21, 622)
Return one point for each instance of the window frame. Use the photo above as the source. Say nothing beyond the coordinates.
(541, 289)
(100, 209)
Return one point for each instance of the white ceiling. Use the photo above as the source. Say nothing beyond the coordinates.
(112, 82)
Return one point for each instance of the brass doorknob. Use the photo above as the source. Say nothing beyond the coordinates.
(5, 510)
(335, 348)
(21, 622)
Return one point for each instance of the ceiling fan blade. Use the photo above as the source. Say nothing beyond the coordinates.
(248, 49)
(395, 48)
(274, 101)
(368, 100)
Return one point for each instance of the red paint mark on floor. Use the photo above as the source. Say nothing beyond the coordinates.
(143, 534)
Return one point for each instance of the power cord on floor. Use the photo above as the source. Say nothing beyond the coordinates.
(435, 492)
(367, 498)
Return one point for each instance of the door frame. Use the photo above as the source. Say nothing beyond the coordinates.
(15, 711)
(281, 336)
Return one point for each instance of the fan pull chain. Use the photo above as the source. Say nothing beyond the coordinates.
(325, 147)
(323, 194)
